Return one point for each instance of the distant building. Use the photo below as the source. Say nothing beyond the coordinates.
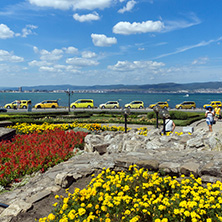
(20, 89)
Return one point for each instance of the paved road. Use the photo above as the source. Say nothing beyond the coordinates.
(96, 110)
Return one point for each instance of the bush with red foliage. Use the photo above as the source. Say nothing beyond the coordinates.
(26, 154)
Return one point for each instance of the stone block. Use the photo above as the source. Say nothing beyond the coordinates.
(189, 168)
(125, 162)
(148, 164)
(210, 179)
(5, 123)
(38, 196)
(15, 208)
(101, 148)
(64, 179)
(211, 169)
(188, 129)
(169, 167)
(6, 133)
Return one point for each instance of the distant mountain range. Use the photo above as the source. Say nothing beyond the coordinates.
(163, 87)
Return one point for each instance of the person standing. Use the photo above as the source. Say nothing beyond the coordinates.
(209, 117)
(169, 124)
(217, 112)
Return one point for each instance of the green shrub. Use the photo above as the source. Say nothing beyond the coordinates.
(178, 115)
(151, 115)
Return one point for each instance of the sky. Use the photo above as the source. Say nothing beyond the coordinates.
(109, 42)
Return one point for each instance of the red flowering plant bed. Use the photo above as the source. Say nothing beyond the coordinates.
(36, 152)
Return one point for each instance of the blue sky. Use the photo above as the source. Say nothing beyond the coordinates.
(103, 42)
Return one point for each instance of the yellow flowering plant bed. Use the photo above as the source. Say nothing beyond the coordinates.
(25, 128)
(137, 195)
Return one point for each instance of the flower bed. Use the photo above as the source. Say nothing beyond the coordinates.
(30, 153)
(26, 128)
(137, 195)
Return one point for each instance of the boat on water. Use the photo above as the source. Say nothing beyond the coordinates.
(187, 95)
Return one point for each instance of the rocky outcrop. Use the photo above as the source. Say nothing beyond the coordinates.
(198, 153)
(120, 142)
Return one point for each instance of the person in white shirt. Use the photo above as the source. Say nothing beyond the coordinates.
(210, 117)
(169, 124)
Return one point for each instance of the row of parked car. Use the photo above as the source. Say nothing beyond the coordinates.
(89, 103)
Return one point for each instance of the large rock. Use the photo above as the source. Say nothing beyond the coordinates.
(190, 167)
(15, 208)
(7, 133)
(131, 145)
(196, 142)
(149, 164)
(170, 167)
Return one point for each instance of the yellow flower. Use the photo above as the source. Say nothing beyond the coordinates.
(81, 211)
(51, 216)
(127, 212)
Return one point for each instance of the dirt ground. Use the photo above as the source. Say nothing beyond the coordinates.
(44, 207)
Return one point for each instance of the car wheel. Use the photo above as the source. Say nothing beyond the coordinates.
(192, 107)
(140, 107)
(103, 107)
(164, 107)
(128, 107)
(89, 107)
(8, 107)
(24, 107)
(53, 107)
(115, 107)
(180, 107)
(73, 106)
(39, 107)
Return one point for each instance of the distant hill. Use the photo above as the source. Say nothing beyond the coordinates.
(147, 87)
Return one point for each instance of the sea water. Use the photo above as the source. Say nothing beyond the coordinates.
(123, 98)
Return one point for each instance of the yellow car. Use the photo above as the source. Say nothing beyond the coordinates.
(47, 104)
(213, 104)
(135, 105)
(82, 103)
(109, 105)
(23, 104)
(163, 105)
(186, 105)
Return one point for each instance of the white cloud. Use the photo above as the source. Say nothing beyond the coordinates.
(28, 30)
(35, 49)
(54, 55)
(88, 54)
(82, 62)
(86, 18)
(47, 69)
(70, 50)
(102, 40)
(125, 66)
(200, 61)
(5, 32)
(39, 63)
(73, 4)
(129, 6)
(6, 56)
(126, 28)
(186, 48)
(181, 24)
